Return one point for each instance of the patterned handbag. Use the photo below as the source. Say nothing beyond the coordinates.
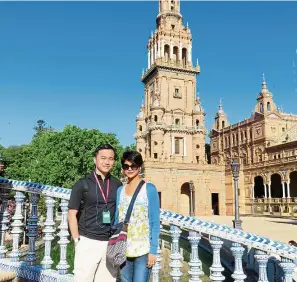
(117, 244)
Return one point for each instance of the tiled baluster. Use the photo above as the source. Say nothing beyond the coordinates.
(237, 251)
(32, 229)
(63, 242)
(175, 255)
(262, 260)
(216, 267)
(4, 220)
(49, 230)
(288, 268)
(195, 263)
(157, 267)
(17, 226)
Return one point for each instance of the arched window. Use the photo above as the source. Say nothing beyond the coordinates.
(175, 53)
(184, 56)
(268, 106)
(177, 121)
(223, 124)
(218, 124)
(197, 123)
(155, 118)
(140, 127)
(261, 108)
(166, 52)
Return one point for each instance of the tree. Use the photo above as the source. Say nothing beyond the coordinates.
(207, 153)
(131, 147)
(41, 127)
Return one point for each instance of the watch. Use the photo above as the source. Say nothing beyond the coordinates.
(76, 240)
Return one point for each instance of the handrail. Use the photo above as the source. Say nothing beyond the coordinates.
(168, 217)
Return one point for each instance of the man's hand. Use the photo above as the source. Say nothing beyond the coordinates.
(151, 260)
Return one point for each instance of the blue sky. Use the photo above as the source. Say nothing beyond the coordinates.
(80, 63)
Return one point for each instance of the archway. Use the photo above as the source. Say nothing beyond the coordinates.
(276, 186)
(293, 184)
(175, 53)
(259, 191)
(184, 56)
(166, 52)
(184, 207)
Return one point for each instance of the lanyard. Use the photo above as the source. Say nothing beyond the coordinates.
(105, 198)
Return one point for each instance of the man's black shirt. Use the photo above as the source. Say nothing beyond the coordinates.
(90, 222)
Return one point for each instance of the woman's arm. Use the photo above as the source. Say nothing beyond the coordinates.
(154, 216)
(116, 218)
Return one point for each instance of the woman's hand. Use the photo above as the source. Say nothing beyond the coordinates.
(151, 260)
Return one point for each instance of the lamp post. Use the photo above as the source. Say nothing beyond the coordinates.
(235, 166)
(192, 204)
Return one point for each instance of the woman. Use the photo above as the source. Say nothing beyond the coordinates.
(144, 225)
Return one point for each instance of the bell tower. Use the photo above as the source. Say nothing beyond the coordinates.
(171, 118)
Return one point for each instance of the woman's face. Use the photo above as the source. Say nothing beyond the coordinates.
(130, 169)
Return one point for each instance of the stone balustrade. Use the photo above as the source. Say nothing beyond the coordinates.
(220, 237)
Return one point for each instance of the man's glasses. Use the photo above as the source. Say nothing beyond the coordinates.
(133, 167)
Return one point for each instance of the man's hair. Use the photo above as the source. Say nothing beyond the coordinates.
(104, 147)
(293, 243)
(133, 157)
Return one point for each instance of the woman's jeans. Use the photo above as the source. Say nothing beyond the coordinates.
(135, 270)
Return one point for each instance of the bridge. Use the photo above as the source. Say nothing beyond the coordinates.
(246, 256)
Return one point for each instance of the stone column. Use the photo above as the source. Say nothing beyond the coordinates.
(4, 221)
(288, 268)
(288, 189)
(63, 242)
(32, 229)
(148, 58)
(162, 48)
(152, 55)
(253, 191)
(195, 263)
(171, 50)
(262, 260)
(175, 256)
(216, 267)
(157, 267)
(283, 186)
(155, 46)
(180, 50)
(49, 230)
(17, 226)
(265, 191)
(190, 53)
(172, 145)
(237, 251)
(185, 146)
(269, 189)
(159, 49)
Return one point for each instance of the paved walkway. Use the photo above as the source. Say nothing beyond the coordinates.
(279, 229)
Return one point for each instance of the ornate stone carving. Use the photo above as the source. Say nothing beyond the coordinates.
(237, 251)
(262, 259)
(175, 256)
(216, 268)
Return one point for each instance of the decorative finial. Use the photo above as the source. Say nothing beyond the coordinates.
(142, 71)
(264, 78)
(187, 25)
(220, 101)
(152, 34)
(197, 62)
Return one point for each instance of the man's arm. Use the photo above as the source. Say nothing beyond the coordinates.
(74, 205)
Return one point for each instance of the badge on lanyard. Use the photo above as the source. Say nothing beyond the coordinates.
(105, 214)
(106, 217)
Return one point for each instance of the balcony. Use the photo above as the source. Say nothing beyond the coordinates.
(233, 250)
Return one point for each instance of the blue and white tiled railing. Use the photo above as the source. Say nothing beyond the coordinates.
(217, 234)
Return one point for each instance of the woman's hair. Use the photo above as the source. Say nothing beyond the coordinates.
(133, 157)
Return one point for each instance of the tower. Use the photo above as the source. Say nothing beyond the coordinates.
(221, 120)
(265, 103)
(172, 118)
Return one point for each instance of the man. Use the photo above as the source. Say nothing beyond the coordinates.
(93, 201)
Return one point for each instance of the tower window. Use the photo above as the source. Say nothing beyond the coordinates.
(261, 108)
(155, 155)
(177, 93)
(176, 141)
(177, 121)
(197, 123)
(268, 106)
(172, 26)
(140, 128)
(155, 143)
(197, 159)
(223, 124)
(155, 118)
(172, 8)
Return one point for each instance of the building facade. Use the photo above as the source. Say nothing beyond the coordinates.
(266, 146)
(171, 131)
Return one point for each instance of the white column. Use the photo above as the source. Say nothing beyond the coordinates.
(288, 189)
(253, 191)
(190, 53)
(265, 191)
(180, 51)
(152, 55)
(159, 49)
(185, 146)
(283, 186)
(172, 145)
(171, 50)
(269, 190)
(149, 58)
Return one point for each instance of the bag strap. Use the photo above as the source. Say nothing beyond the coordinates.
(130, 208)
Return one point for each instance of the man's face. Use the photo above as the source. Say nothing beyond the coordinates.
(104, 160)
